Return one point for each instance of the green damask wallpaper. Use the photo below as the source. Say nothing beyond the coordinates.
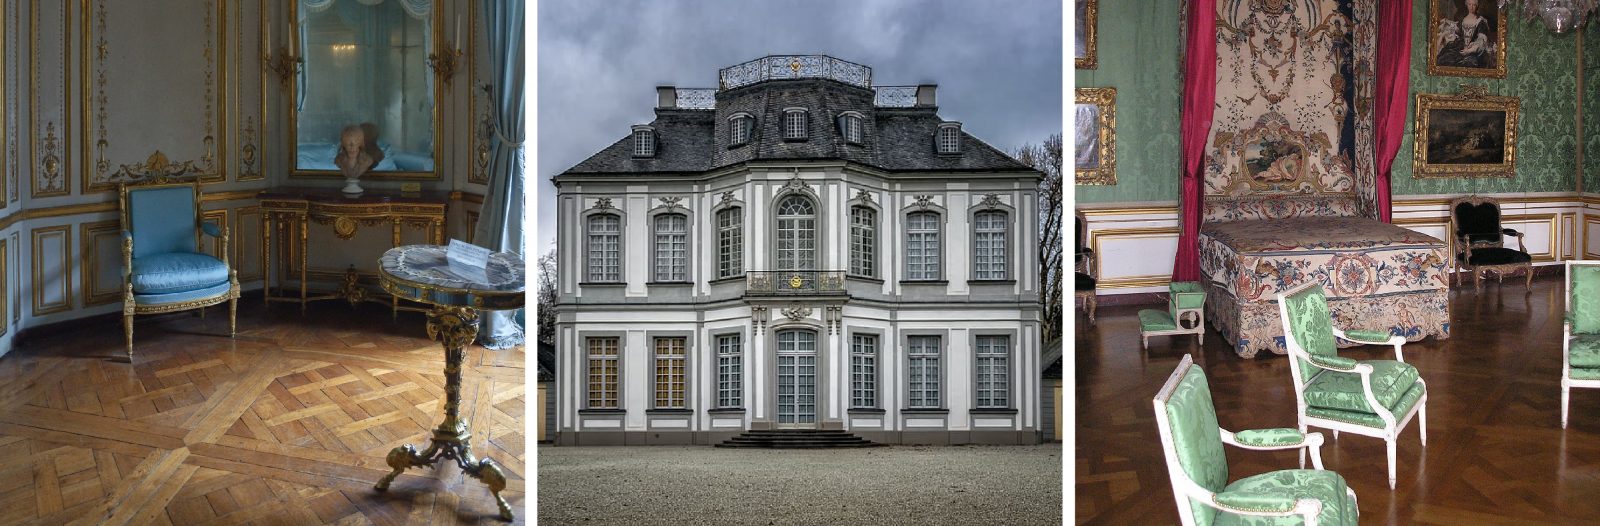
(1541, 69)
(1138, 51)
(1591, 110)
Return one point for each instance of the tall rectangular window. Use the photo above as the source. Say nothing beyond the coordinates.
(922, 246)
(730, 371)
(602, 372)
(863, 241)
(604, 259)
(671, 247)
(730, 242)
(670, 373)
(989, 244)
(994, 382)
(794, 124)
(922, 376)
(864, 371)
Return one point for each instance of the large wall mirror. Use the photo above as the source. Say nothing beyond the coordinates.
(366, 61)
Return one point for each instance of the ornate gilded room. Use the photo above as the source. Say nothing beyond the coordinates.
(260, 261)
(1360, 232)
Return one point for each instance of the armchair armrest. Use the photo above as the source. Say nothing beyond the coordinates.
(211, 228)
(1338, 363)
(1267, 504)
(1510, 232)
(1373, 338)
(1277, 439)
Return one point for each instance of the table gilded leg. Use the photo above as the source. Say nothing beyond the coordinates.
(303, 249)
(455, 328)
(394, 301)
(266, 259)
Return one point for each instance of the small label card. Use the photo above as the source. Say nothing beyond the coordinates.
(470, 262)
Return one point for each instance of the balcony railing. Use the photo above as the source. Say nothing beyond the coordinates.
(794, 282)
(894, 96)
(778, 67)
(697, 98)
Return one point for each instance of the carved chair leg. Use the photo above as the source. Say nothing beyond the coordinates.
(1528, 280)
(233, 317)
(127, 330)
(1092, 304)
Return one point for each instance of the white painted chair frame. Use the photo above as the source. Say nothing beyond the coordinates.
(1567, 381)
(1393, 424)
(1184, 488)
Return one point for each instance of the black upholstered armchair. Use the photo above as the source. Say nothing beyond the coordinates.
(1479, 245)
(1086, 275)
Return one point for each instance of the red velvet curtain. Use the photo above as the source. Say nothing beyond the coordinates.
(1199, 101)
(1394, 85)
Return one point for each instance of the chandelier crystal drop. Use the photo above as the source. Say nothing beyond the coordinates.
(1559, 16)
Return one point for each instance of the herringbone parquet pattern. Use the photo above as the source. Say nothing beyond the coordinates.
(286, 424)
(1496, 451)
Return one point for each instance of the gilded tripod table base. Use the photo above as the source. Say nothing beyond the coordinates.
(419, 273)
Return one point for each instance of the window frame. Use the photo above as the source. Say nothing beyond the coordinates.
(938, 245)
(730, 241)
(846, 120)
(656, 254)
(1007, 385)
(616, 368)
(1004, 233)
(682, 359)
(874, 388)
(588, 246)
(722, 383)
(947, 139)
(941, 340)
(815, 220)
(796, 124)
(867, 250)
(644, 136)
(741, 129)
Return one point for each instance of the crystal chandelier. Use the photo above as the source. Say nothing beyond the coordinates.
(1559, 16)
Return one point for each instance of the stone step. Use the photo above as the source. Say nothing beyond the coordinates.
(797, 439)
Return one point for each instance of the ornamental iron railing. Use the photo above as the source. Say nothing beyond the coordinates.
(794, 282)
(697, 98)
(780, 67)
(894, 96)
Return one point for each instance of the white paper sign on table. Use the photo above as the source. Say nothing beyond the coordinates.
(468, 261)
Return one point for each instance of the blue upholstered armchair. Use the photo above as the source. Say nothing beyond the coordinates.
(163, 269)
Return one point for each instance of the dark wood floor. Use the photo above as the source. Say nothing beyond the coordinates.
(288, 423)
(1496, 451)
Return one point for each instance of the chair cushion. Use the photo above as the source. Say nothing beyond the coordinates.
(1338, 390)
(1585, 373)
(1487, 237)
(1585, 299)
(1499, 256)
(1083, 282)
(163, 220)
(1156, 320)
(1328, 487)
(176, 272)
(214, 291)
(1584, 350)
(1371, 419)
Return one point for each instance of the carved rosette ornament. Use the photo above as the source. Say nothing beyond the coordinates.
(990, 201)
(797, 313)
(923, 201)
(51, 161)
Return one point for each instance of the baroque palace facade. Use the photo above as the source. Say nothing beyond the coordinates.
(798, 248)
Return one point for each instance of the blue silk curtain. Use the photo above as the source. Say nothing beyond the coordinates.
(500, 221)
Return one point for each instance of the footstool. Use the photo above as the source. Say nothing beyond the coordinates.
(1185, 314)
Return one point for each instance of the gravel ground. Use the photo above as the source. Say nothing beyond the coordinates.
(890, 485)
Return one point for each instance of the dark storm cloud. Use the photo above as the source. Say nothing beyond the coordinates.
(998, 64)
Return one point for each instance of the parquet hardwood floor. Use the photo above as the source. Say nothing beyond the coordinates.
(1496, 451)
(288, 423)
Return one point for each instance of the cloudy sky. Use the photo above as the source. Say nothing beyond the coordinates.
(998, 63)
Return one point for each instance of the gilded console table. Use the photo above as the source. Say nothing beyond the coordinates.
(288, 211)
(420, 273)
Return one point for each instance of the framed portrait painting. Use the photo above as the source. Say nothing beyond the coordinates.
(1466, 38)
(1083, 33)
(1467, 135)
(1094, 157)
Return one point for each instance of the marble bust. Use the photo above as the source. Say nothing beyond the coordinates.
(358, 152)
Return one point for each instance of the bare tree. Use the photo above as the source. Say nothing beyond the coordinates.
(1047, 158)
(546, 299)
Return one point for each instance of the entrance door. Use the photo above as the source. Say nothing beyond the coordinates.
(797, 379)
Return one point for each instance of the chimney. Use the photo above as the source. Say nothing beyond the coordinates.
(666, 97)
(925, 95)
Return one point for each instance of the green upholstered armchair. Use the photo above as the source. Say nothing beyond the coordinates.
(1580, 332)
(163, 269)
(1191, 441)
(1375, 398)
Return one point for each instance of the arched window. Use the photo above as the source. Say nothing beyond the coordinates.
(730, 242)
(850, 127)
(949, 138)
(794, 124)
(797, 234)
(989, 244)
(863, 241)
(644, 141)
(604, 256)
(922, 246)
(740, 127)
(672, 254)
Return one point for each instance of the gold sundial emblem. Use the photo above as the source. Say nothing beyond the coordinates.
(794, 65)
(795, 281)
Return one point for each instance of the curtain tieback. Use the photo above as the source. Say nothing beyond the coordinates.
(508, 142)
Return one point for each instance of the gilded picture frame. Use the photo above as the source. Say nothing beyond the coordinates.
(1468, 135)
(1083, 34)
(1094, 155)
(1462, 42)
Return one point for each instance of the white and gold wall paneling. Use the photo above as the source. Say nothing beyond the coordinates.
(10, 26)
(246, 92)
(100, 254)
(50, 123)
(1137, 242)
(478, 128)
(50, 263)
(172, 51)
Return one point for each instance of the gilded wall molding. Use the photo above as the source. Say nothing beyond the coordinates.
(247, 152)
(42, 181)
(482, 124)
(240, 263)
(89, 235)
(40, 235)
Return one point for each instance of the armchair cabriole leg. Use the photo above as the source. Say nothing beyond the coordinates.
(1422, 421)
(1389, 445)
(1566, 392)
(233, 317)
(127, 330)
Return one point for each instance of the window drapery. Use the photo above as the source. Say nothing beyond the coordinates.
(500, 221)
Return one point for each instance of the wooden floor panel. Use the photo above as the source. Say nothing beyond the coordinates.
(1496, 451)
(288, 423)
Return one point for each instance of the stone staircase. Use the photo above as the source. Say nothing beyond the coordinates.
(798, 439)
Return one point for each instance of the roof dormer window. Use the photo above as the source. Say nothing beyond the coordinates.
(850, 127)
(795, 124)
(644, 141)
(740, 127)
(948, 138)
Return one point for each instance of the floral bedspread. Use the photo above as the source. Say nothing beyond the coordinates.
(1376, 275)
